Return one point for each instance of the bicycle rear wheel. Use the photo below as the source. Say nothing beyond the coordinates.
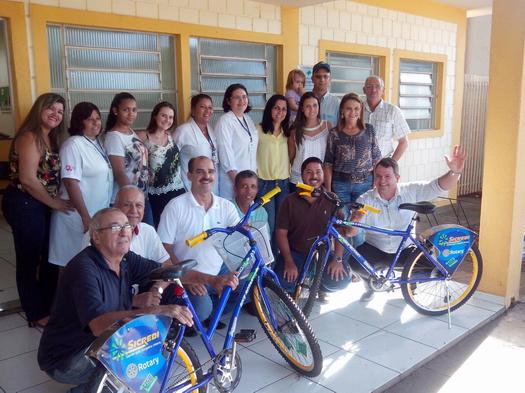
(306, 292)
(293, 338)
(430, 298)
(186, 367)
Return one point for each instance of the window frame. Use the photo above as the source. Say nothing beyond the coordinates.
(440, 62)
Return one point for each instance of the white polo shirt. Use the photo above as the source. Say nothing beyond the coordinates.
(184, 218)
(390, 216)
(389, 124)
(330, 108)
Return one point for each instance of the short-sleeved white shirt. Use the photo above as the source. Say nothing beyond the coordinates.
(83, 160)
(330, 108)
(390, 216)
(135, 154)
(145, 243)
(184, 218)
(192, 143)
(389, 124)
(237, 149)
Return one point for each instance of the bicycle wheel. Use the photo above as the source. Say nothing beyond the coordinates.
(430, 298)
(294, 338)
(306, 292)
(186, 367)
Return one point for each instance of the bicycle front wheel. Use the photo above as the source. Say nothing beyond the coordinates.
(293, 337)
(430, 298)
(306, 292)
(186, 368)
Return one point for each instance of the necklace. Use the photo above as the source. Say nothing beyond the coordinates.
(312, 128)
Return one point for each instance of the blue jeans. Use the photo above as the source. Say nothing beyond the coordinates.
(78, 372)
(272, 207)
(349, 192)
(327, 284)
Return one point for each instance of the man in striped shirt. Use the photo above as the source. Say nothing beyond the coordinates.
(387, 119)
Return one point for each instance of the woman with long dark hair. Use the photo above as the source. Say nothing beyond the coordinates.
(164, 159)
(31, 195)
(86, 181)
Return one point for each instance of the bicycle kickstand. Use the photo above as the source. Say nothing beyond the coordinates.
(448, 305)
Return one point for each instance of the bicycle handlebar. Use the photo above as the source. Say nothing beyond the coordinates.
(192, 242)
(361, 207)
(269, 195)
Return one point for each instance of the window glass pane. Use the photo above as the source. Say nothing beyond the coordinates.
(217, 84)
(416, 66)
(417, 113)
(107, 59)
(415, 102)
(345, 88)
(338, 59)
(350, 71)
(7, 109)
(56, 56)
(415, 90)
(271, 68)
(423, 124)
(167, 52)
(113, 80)
(224, 48)
(416, 78)
(228, 66)
(194, 59)
(110, 39)
(351, 74)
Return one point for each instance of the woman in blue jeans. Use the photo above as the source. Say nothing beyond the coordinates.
(273, 164)
(351, 152)
(34, 166)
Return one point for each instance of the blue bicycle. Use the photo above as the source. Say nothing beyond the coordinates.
(149, 353)
(440, 274)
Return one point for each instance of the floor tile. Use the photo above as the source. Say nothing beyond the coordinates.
(266, 349)
(423, 376)
(348, 372)
(11, 321)
(428, 331)
(7, 246)
(484, 304)
(469, 316)
(294, 384)
(392, 351)
(7, 275)
(18, 341)
(21, 372)
(373, 313)
(48, 387)
(340, 331)
(490, 298)
(8, 294)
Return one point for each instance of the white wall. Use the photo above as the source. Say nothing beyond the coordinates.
(477, 56)
(351, 22)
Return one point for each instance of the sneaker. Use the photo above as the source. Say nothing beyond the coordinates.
(367, 296)
(322, 297)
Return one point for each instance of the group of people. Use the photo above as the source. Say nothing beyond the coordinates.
(165, 185)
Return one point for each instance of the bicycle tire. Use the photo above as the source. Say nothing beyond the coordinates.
(430, 298)
(294, 339)
(306, 292)
(185, 366)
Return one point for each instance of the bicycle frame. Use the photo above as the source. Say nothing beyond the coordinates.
(258, 270)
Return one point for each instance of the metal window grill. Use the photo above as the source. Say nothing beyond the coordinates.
(216, 64)
(417, 85)
(93, 65)
(349, 72)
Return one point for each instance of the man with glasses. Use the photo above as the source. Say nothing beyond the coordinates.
(387, 119)
(321, 79)
(93, 293)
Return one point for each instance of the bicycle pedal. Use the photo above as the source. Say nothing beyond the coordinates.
(245, 336)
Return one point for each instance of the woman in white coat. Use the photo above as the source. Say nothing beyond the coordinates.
(237, 138)
(87, 182)
(196, 137)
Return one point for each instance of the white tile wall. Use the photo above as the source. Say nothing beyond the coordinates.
(352, 22)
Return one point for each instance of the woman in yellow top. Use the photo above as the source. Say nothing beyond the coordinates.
(273, 164)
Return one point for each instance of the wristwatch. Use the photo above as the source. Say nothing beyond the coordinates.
(339, 259)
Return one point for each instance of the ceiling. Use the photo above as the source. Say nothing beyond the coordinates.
(466, 4)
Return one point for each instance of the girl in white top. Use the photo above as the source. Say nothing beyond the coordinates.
(197, 138)
(127, 153)
(237, 138)
(308, 136)
(87, 181)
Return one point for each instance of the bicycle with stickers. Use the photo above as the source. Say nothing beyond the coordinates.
(441, 273)
(149, 353)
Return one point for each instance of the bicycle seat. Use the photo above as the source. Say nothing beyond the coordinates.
(172, 272)
(423, 207)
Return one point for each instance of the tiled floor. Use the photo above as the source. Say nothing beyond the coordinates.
(368, 347)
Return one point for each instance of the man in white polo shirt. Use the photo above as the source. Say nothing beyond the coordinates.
(321, 78)
(187, 216)
(387, 119)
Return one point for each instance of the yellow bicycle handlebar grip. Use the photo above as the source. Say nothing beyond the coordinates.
(367, 208)
(305, 187)
(270, 194)
(197, 239)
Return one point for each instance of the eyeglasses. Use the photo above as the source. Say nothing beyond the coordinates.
(115, 228)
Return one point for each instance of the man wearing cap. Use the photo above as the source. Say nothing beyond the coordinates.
(387, 119)
(329, 103)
